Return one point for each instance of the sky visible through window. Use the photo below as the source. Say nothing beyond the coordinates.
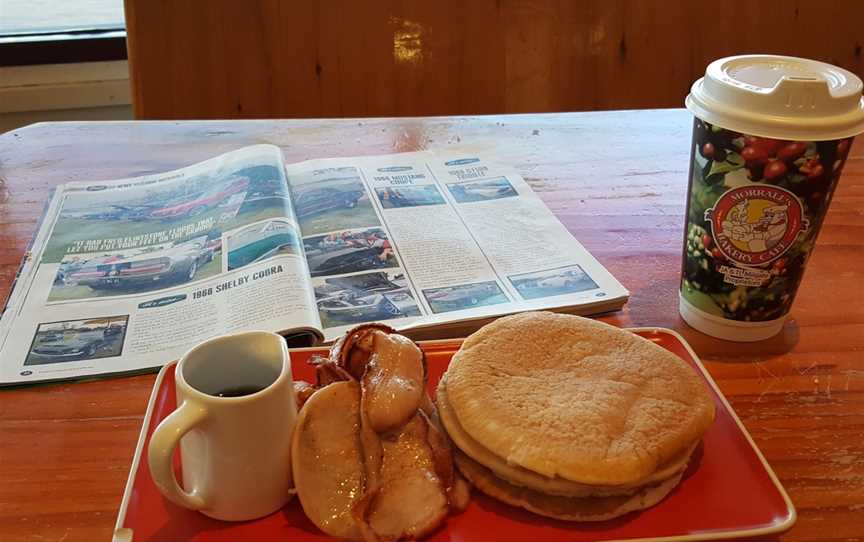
(37, 16)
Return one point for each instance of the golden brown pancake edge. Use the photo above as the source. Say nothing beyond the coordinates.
(558, 507)
(520, 476)
(524, 385)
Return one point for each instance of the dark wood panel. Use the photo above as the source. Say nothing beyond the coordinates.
(342, 58)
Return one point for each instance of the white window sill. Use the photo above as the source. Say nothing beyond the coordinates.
(64, 86)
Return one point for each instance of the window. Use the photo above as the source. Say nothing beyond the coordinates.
(52, 32)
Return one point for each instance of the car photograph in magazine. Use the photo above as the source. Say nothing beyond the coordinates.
(192, 215)
(177, 257)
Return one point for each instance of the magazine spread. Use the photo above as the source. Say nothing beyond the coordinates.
(127, 275)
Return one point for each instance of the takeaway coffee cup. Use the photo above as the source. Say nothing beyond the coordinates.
(771, 135)
(234, 418)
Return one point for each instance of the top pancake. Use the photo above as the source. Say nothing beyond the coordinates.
(575, 398)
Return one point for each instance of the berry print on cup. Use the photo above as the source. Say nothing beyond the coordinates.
(755, 205)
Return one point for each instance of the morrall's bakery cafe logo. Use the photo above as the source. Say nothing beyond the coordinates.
(752, 226)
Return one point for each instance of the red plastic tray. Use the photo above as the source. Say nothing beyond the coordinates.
(729, 490)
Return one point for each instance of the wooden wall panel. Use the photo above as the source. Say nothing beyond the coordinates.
(344, 58)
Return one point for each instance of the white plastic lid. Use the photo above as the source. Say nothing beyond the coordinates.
(780, 97)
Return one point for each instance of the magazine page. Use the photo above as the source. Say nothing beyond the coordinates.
(129, 274)
(419, 239)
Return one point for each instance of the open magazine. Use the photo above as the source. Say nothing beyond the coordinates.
(127, 275)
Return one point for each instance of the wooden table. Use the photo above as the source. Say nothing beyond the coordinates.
(616, 179)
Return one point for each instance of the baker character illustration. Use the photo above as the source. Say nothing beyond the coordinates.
(736, 226)
(760, 235)
(770, 228)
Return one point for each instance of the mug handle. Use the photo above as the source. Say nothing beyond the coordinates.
(160, 454)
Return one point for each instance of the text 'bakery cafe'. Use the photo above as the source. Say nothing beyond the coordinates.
(431, 303)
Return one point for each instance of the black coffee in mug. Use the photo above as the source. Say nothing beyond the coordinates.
(238, 391)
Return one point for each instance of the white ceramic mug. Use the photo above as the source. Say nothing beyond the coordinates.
(234, 450)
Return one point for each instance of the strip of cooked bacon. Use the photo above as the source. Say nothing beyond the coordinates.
(409, 501)
(302, 392)
(326, 459)
(327, 372)
(394, 382)
(404, 460)
(352, 350)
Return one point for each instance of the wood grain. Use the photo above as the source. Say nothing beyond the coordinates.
(617, 180)
(208, 59)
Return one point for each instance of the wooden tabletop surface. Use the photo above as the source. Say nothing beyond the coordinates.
(617, 180)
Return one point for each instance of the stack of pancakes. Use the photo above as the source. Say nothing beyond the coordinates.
(571, 418)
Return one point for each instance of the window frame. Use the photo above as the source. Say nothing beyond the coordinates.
(64, 46)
